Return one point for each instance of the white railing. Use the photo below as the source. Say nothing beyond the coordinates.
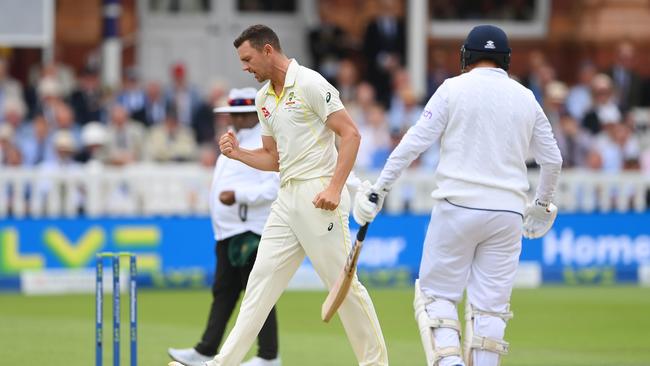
(578, 191)
(137, 190)
(149, 189)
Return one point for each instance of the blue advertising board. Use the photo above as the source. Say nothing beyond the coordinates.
(594, 248)
(580, 249)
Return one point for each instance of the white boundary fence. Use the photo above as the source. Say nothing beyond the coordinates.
(578, 191)
(137, 190)
(182, 189)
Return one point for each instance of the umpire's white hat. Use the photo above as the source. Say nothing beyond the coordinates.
(239, 101)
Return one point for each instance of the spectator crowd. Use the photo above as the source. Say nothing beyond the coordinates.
(66, 121)
(60, 120)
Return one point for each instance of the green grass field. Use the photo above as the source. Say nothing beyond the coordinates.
(552, 326)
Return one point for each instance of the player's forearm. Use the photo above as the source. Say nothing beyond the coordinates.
(547, 155)
(263, 193)
(417, 140)
(348, 147)
(549, 175)
(396, 163)
(261, 159)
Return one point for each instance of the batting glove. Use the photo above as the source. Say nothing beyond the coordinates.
(364, 210)
(538, 219)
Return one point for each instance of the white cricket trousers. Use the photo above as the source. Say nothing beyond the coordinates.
(296, 228)
(474, 249)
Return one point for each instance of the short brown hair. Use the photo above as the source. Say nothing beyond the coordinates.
(258, 35)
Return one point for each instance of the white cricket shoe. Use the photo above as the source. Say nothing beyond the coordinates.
(258, 361)
(187, 357)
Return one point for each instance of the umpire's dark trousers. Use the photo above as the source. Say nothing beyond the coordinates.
(228, 284)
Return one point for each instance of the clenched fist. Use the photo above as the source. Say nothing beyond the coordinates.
(227, 197)
(229, 145)
(327, 200)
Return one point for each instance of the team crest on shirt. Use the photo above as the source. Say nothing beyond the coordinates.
(292, 103)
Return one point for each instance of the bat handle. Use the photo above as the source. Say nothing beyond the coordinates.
(361, 234)
(373, 197)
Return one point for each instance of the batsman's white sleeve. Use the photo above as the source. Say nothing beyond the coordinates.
(426, 131)
(547, 154)
(260, 194)
(549, 174)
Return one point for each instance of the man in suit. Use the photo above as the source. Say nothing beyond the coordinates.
(384, 46)
(627, 82)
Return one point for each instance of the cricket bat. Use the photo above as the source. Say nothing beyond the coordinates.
(340, 289)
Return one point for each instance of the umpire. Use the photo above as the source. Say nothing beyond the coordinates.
(240, 202)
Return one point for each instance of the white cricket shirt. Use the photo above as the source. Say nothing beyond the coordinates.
(254, 189)
(296, 120)
(486, 123)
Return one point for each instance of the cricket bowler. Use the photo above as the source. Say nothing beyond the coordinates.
(300, 114)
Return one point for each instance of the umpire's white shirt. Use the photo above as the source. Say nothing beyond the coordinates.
(254, 189)
(487, 123)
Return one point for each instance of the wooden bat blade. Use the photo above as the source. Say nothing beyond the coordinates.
(341, 287)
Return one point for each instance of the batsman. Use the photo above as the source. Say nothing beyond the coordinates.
(486, 124)
(300, 114)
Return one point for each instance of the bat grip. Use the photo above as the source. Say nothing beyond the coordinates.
(361, 235)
